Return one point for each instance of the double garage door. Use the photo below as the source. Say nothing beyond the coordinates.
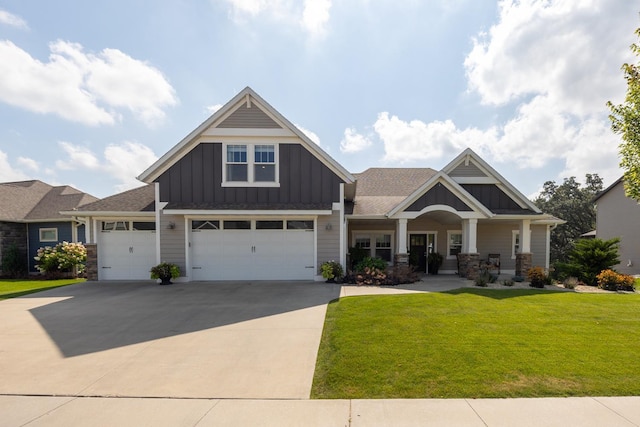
(278, 249)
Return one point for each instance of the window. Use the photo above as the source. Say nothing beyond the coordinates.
(205, 225)
(115, 226)
(268, 225)
(515, 243)
(144, 226)
(383, 247)
(48, 234)
(299, 225)
(237, 225)
(251, 165)
(454, 243)
(376, 244)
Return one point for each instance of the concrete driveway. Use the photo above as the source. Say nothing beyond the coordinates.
(201, 339)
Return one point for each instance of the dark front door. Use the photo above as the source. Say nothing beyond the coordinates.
(418, 251)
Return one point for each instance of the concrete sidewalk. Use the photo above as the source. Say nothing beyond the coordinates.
(85, 411)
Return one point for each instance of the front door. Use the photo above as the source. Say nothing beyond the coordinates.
(420, 246)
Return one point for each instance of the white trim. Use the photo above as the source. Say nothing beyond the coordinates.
(156, 188)
(47, 229)
(188, 256)
(117, 214)
(251, 163)
(245, 132)
(245, 213)
(515, 234)
(475, 180)
(440, 208)
(547, 246)
(372, 241)
(449, 233)
(341, 231)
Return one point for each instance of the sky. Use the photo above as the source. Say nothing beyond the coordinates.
(92, 93)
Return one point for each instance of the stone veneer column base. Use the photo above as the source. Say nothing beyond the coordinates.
(468, 265)
(401, 259)
(91, 267)
(523, 263)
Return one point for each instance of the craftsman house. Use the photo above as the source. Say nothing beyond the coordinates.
(248, 196)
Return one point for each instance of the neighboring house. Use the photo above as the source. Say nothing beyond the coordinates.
(249, 196)
(30, 217)
(619, 216)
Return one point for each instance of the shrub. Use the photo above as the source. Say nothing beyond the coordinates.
(331, 270)
(537, 277)
(371, 263)
(612, 281)
(64, 257)
(589, 257)
(165, 269)
(371, 277)
(401, 274)
(356, 255)
(571, 282)
(508, 282)
(13, 262)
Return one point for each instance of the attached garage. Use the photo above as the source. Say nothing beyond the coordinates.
(252, 249)
(127, 250)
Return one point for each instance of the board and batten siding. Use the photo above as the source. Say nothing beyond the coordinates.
(172, 246)
(328, 240)
(197, 179)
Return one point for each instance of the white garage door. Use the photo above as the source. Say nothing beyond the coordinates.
(127, 250)
(252, 250)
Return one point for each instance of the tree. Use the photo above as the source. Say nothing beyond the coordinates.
(590, 257)
(625, 120)
(573, 203)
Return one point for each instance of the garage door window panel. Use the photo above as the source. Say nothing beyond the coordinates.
(205, 225)
(115, 226)
(300, 225)
(143, 226)
(237, 225)
(269, 225)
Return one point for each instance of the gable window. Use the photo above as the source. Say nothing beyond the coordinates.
(253, 165)
(454, 243)
(48, 234)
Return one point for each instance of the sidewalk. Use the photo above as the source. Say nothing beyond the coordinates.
(123, 412)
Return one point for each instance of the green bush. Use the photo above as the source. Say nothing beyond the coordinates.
(166, 270)
(356, 255)
(64, 257)
(371, 263)
(13, 262)
(331, 270)
(589, 257)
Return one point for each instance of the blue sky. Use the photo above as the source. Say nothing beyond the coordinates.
(91, 93)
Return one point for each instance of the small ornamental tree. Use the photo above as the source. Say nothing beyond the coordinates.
(590, 257)
(64, 257)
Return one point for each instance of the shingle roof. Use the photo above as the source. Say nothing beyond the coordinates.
(381, 189)
(141, 199)
(35, 200)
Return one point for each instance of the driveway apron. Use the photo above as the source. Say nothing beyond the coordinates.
(199, 339)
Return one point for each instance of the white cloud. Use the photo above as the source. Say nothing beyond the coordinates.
(353, 142)
(311, 135)
(7, 172)
(122, 161)
(312, 15)
(211, 109)
(83, 87)
(28, 163)
(12, 20)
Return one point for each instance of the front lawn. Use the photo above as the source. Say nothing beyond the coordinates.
(11, 288)
(473, 343)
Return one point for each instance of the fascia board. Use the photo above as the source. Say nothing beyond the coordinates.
(109, 214)
(237, 213)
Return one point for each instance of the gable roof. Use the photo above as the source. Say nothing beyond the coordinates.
(34, 200)
(137, 201)
(609, 188)
(378, 190)
(231, 116)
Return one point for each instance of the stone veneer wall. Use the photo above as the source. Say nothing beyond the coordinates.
(468, 265)
(13, 233)
(91, 268)
(524, 261)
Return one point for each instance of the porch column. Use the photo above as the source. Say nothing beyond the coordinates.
(470, 236)
(402, 254)
(524, 258)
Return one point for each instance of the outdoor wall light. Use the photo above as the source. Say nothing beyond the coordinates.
(171, 225)
(328, 227)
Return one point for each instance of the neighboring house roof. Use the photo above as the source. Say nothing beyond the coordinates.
(34, 200)
(378, 190)
(136, 201)
(272, 121)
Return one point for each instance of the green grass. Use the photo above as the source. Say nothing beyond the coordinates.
(12, 288)
(480, 343)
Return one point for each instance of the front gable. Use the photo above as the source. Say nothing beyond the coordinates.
(439, 194)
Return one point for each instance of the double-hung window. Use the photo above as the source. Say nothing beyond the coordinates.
(454, 243)
(252, 165)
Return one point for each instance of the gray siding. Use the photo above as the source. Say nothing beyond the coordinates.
(470, 170)
(539, 245)
(172, 247)
(438, 195)
(196, 180)
(497, 239)
(328, 240)
(619, 216)
(252, 117)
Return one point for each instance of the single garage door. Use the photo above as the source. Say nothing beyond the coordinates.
(127, 250)
(252, 249)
